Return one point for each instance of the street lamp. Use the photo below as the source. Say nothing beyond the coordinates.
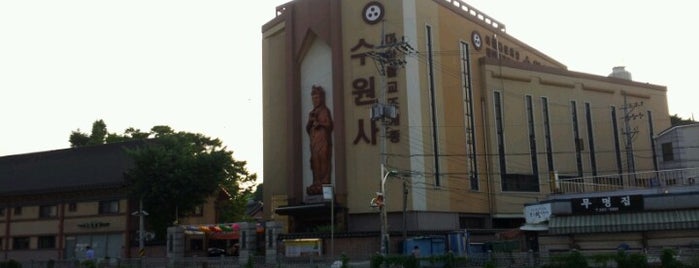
(329, 193)
(141, 228)
(384, 216)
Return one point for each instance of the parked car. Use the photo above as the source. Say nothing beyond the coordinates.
(215, 252)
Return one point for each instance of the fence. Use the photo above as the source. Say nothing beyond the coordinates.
(637, 180)
(688, 256)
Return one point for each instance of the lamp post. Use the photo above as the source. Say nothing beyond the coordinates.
(329, 193)
(384, 216)
(141, 227)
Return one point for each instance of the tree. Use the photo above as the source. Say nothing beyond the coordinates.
(98, 136)
(259, 192)
(675, 120)
(176, 171)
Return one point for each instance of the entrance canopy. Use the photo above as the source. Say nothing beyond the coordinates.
(625, 222)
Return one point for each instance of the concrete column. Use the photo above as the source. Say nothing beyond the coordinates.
(175, 242)
(247, 241)
(272, 230)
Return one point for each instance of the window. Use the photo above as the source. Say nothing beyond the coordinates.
(47, 211)
(196, 244)
(668, 154)
(18, 210)
(2, 213)
(47, 242)
(520, 182)
(109, 207)
(198, 211)
(20, 243)
(72, 207)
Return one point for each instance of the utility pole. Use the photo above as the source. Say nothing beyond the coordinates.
(386, 56)
(405, 210)
(630, 133)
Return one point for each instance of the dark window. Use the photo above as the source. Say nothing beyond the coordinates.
(46, 242)
(668, 154)
(533, 154)
(520, 183)
(547, 133)
(47, 211)
(20, 243)
(73, 207)
(2, 213)
(576, 137)
(109, 207)
(471, 223)
(196, 244)
(198, 211)
(18, 210)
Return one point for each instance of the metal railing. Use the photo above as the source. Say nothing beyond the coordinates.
(638, 180)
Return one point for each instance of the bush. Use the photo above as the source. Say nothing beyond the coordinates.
(376, 261)
(634, 260)
(10, 264)
(88, 264)
(668, 260)
(345, 260)
(572, 260)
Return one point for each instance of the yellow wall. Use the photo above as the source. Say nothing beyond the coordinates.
(542, 76)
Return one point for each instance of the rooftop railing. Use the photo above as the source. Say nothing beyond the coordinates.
(627, 181)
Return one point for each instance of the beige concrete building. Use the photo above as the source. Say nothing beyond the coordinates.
(483, 120)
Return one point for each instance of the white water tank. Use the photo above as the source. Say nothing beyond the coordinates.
(620, 72)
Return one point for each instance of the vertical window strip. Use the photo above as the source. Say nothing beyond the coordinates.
(547, 133)
(532, 141)
(617, 145)
(497, 104)
(576, 136)
(433, 108)
(469, 120)
(591, 139)
(651, 133)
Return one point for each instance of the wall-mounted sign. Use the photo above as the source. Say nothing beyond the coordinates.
(303, 247)
(373, 12)
(93, 224)
(476, 40)
(607, 204)
(537, 213)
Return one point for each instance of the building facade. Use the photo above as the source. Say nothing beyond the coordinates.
(678, 149)
(54, 204)
(468, 122)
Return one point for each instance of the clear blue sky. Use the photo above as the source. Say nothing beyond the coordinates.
(196, 65)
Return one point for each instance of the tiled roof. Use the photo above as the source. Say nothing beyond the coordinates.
(81, 168)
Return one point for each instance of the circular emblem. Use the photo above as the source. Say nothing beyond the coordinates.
(373, 12)
(476, 40)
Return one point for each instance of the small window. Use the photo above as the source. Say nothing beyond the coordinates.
(20, 243)
(72, 207)
(47, 242)
(109, 207)
(2, 213)
(198, 211)
(18, 210)
(196, 244)
(47, 211)
(668, 154)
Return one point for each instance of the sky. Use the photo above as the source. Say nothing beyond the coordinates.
(196, 65)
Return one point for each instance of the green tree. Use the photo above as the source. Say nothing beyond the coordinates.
(176, 171)
(676, 120)
(97, 137)
(259, 192)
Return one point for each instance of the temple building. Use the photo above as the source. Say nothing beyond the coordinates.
(434, 114)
